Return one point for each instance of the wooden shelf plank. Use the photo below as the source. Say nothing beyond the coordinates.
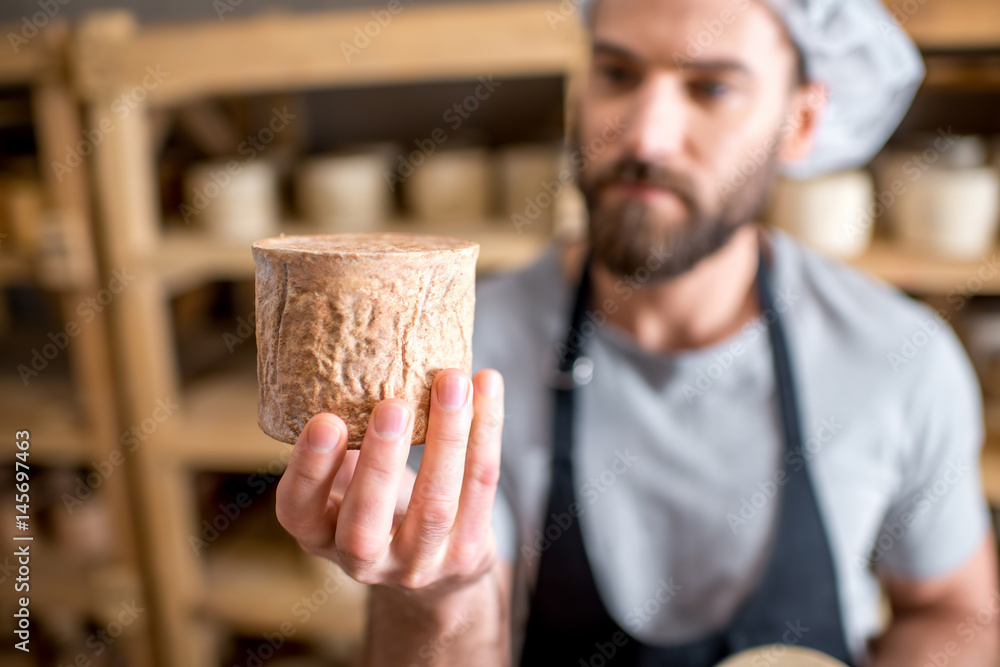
(500, 247)
(922, 274)
(277, 51)
(256, 589)
(217, 428)
(57, 584)
(14, 269)
(949, 24)
(32, 58)
(962, 73)
(185, 259)
(990, 459)
(59, 435)
(991, 473)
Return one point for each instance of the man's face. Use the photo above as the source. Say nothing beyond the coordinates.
(702, 89)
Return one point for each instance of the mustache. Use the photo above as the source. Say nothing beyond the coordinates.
(640, 172)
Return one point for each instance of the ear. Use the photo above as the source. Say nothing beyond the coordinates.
(804, 114)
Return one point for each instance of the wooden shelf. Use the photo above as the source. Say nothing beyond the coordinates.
(14, 269)
(991, 472)
(185, 259)
(255, 589)
(62, 586)
(922, 274)
(55, 583)
(962, 73)
(59, 435)
(15, 658)
(277, 51)
(32, 59)
(500, 246)
(949, 24)
(71, 417)
(990, 460)
(217, 427)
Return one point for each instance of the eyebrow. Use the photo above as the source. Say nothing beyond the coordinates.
(715, 65)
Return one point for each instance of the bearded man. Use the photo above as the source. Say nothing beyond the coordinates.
(706, 447)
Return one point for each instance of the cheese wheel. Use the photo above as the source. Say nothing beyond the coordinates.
(346, 320)
(781, 655)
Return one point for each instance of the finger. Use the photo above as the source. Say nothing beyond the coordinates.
(434, 500)
(345, 474)
(403, 499)
(303, 492)
(482, 464)
(365, 518)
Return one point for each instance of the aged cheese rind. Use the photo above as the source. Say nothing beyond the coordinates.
(346, 320)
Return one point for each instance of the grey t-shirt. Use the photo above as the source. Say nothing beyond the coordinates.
(678, 456)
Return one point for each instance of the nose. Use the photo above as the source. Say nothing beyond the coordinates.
(657, 120)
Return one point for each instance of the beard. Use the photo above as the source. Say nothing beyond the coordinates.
(628, 236)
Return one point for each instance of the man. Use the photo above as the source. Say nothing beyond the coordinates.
(707, 444)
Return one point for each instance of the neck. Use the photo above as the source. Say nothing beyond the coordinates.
(706, 305)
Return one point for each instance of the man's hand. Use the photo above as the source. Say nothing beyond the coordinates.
(428, 535)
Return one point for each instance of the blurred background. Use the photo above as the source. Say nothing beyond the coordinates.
(144, 145)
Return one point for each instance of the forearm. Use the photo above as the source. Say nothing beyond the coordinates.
(958, 639)
(464, 628)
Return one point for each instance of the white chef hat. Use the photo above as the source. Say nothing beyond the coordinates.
(870, 67)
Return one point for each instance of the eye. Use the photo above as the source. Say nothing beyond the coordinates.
(613, 73)
(710, 89)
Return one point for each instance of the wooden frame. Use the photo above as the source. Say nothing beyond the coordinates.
(73, 275)
(949, 24)
(216, 426)
(295, 51)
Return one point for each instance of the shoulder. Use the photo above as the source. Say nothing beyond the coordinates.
(840, 305)
(869, 337)
(849, 301)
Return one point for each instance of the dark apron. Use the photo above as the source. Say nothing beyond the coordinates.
(568, 624)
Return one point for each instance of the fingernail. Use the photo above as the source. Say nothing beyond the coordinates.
(323, 436)
(452, 391)
(391, 420)
(491, 385)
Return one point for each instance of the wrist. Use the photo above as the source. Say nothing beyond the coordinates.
(436, 605)
(449, 625)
